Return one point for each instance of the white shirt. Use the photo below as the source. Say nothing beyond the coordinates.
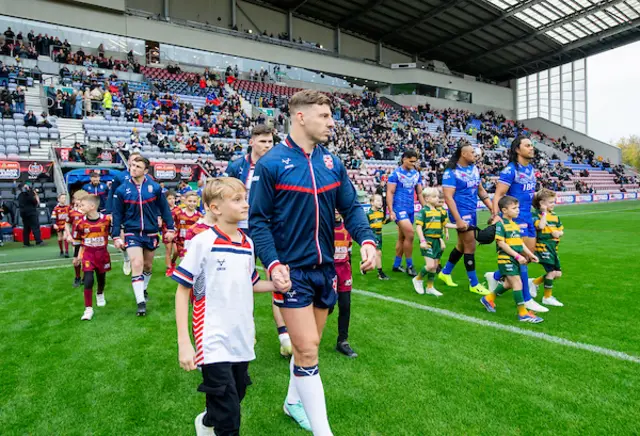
(222, 274)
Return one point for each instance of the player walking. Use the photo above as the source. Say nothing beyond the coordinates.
(97, 188)
(296, 188)
(403, 183)
(261, 142)
(137, 204)
(518, 180)
(462, 188)
(118, 180)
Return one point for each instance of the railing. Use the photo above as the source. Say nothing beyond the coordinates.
(58, 177)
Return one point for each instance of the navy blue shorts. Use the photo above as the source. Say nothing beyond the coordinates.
(470, 217)
(404, 215)
(146, 242)
(527, 229)
(316, 285)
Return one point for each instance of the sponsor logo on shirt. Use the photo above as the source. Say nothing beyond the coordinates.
(328, 162)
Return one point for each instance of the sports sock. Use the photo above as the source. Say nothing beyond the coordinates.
(77, 270)
(517, 296)
(548, 287)
(102, 279)
(66, 247)
(88, 298)
(292, 393)
(497, 275)
(454, 257)
(380, 271)
(500, 289)
(538, 280)
(60, 245)
(491, 297)
(309, 387)
(138, 288)
(524, 275)
(423, 273)
(147, 277)
(409, 262)
(397, 261)
(470, 266)
(431, 276)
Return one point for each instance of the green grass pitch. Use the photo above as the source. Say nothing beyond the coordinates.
(418, 372)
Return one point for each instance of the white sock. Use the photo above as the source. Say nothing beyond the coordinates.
(292, 393)
(138, 288)
(311, 393)
(147, 278)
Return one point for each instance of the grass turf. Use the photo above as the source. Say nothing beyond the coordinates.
(417, 373)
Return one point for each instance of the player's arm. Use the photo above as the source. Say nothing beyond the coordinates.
(186, 353)
(117, 212)
(529, 255)
(261, 215)
(115, 184)
(391, 191)
(484, 197)
(541, 223)
(185, 273)
(165, 210)
(507, 176)
(419, 192)
(54, 219)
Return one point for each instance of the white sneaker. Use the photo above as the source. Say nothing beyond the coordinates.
(551, 301)
(417, 285)
(491, 282)
(201, 429)
(126, 267)
(101, 302)
(433, 291)
(535, 306)
(88, 314)
(533, 289)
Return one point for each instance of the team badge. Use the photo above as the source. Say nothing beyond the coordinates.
(150, 188)
(334, 283)
(286, 161)
(328, 162)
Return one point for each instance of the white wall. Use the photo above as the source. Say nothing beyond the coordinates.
(153, 6)
(109, 4)
(356, 47)
(265, 19)
(390, 56)
(440, 103)
(312, 32)
(556, 131)
(102, 21)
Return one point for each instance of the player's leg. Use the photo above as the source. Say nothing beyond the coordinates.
(530, 242)
(407, 244)
(136, 257)
(283, 334)
(343, 272)
(66, 244)
(552, 274)
(397, 261)
(167, 258)
(77, 267)
(431, 268)
(88, 295)
(101, 278)
(305, 326)
(60, 243)
(454, 258)
(418, 281)
(381, 274)
(126, 262)
(147, 269)
(222, 401)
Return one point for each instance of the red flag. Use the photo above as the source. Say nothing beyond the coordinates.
(230, 80)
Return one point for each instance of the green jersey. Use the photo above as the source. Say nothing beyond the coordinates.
(432, 220)
(553, 224)
(508, 232)
(376, 221)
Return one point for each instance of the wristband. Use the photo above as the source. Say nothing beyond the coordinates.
(518, 257)
(423, 240)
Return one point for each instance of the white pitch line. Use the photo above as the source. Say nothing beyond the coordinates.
(508, 328)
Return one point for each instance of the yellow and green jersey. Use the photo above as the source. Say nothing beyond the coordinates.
(376, 221)
(509, 232)
(432, 220)
(553, 224)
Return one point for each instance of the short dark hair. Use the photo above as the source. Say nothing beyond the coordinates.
(144, 160)
(170, 193)
(261, 129)
(507, 201)
(307, 97)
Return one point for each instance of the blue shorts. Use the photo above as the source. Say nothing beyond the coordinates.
(470, 217)
(316, 285)
(144, 241)
(527, 229)
(404, 215)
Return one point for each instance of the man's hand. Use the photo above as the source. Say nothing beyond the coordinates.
(368, 255)
(424, 245)
(462, 226)
(187, 357)
(494, 219)
(118, 244)
(281, 278)
(76, 261)
(533, 258)
(521, 259)
(556, 234)
(169, 236)
(392, 216)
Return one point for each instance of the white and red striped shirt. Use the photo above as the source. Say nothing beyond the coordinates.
(222, 274)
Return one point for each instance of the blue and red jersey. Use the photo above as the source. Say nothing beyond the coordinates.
(293, 202)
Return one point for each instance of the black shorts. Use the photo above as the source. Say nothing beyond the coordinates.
(225, 385)
(317, 285)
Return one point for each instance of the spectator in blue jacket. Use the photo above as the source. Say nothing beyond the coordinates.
(96, 187)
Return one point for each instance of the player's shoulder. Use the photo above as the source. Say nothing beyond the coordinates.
(273, 156)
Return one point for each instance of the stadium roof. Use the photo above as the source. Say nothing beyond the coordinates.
(495, 39)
